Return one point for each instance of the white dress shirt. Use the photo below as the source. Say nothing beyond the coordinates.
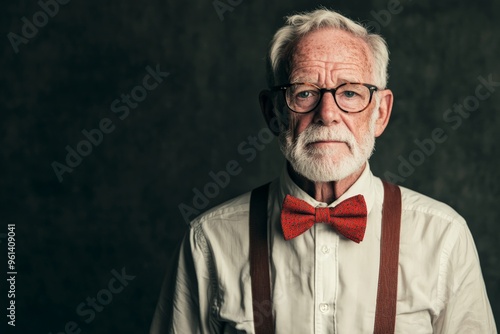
(322, 282)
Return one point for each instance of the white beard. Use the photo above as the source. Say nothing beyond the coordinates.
(324, 165)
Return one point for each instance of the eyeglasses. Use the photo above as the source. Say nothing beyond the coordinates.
(350, 97)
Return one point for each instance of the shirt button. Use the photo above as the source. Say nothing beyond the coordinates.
(325, 249)
(323, 307)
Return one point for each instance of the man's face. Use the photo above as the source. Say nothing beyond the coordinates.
(328, 144)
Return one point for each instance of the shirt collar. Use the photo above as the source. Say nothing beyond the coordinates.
(364, 185)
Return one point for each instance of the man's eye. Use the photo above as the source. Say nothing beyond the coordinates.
(305, 94)
(349, 93)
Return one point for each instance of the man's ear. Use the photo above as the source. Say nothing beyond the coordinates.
(384, 111)
(267, 108)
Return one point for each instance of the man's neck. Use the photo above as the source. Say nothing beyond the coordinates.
(326, 192)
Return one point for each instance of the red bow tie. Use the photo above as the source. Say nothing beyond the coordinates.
(348, 217)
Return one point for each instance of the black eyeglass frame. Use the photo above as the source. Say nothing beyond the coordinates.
(322, 91)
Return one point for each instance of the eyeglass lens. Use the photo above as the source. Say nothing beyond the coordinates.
(349, 97)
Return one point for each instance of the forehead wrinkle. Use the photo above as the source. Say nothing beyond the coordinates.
(315, 72)
(308, 74)
(334, 50)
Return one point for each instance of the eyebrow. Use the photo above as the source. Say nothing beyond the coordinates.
(302, 79)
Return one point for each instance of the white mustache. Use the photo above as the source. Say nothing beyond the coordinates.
(315, 133)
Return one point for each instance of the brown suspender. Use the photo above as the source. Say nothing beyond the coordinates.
(385, 314)
(259, 262)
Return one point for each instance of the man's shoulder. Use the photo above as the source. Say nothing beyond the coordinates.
(420, 204)
(231, 211)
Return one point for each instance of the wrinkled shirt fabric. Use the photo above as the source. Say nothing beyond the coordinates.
(322, 282)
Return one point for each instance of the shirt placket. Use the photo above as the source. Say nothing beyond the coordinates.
(326, 278)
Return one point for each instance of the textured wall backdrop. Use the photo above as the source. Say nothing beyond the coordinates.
(172, 88)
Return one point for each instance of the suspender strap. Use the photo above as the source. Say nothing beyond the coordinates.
(259, 262)
(385, 314)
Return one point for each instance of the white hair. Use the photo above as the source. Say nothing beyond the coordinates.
(297, 26)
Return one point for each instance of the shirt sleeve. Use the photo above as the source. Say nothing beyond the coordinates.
(462, 299)
(186, 294)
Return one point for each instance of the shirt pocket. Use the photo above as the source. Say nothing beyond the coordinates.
(419, 322)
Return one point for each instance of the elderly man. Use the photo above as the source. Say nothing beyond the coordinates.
(327, 247)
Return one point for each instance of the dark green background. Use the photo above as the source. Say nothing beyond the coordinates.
(119, 207)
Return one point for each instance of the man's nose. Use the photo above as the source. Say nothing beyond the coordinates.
(327, 111)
